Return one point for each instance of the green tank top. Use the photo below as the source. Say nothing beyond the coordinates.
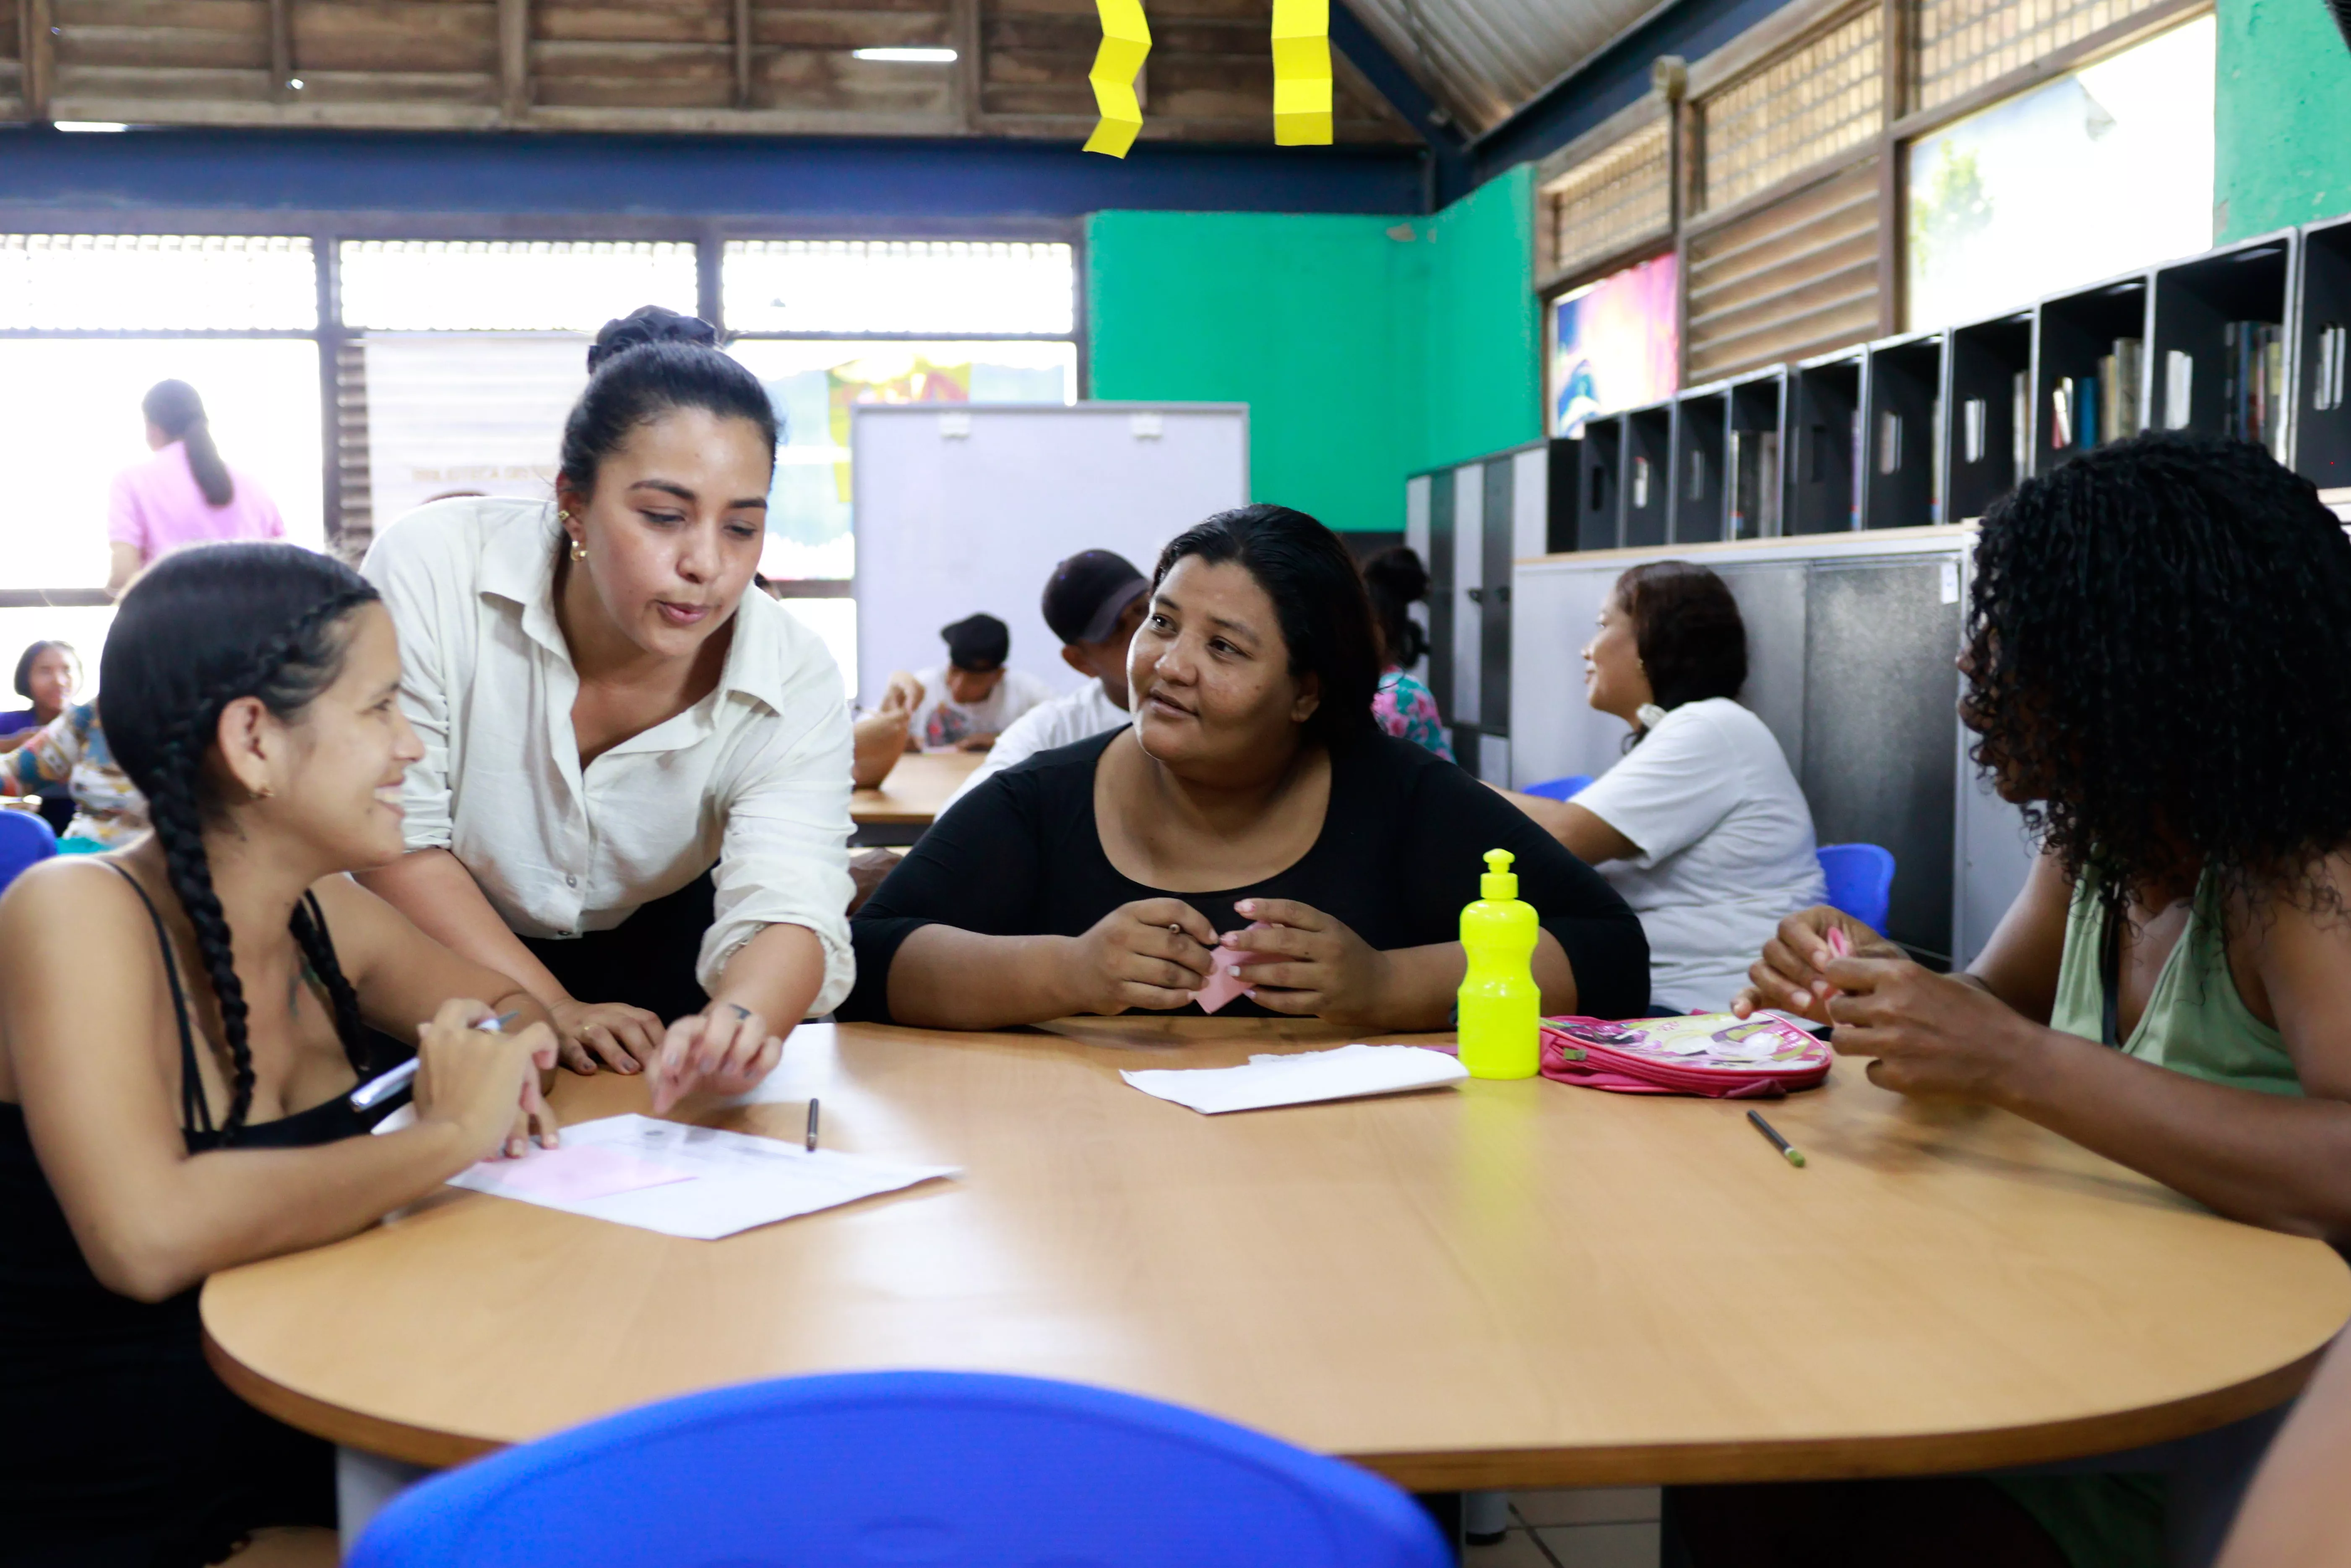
(2195, 1022)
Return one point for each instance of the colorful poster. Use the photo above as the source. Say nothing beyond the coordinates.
(1615, 344)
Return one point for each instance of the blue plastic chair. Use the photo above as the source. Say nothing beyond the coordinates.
(25, 839)
(1861, 880)
(936, 1467)
(1566, 788)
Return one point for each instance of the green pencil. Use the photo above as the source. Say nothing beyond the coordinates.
(1792, 1155)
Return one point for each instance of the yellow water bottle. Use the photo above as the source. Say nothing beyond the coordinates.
(1500, 1006)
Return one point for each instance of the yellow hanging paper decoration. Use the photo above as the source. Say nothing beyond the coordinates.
(1301, 73)
(1126, 39)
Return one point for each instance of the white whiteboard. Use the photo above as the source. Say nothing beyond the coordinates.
(966, 507)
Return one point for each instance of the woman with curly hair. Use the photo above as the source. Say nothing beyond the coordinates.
(2158, 669)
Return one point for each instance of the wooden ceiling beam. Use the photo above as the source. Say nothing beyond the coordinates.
(513, 61)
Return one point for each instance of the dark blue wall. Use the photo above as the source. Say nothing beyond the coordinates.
(1612, 78)
(687, 176)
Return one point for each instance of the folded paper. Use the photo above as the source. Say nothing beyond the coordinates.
(1126, 39)
(1301, 1078)
(1301, 73)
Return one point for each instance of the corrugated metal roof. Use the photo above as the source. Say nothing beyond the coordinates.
(1485, 58)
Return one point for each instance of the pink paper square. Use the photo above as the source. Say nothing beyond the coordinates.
(1223, 986)
(576, 1174)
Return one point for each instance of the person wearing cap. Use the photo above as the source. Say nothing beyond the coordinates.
(1093, 602)
(965, 704)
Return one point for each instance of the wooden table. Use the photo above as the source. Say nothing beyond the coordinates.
(911, 797)
(1505, 1285)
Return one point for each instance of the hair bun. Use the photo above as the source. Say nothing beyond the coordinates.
(648, 324)
(1398, 570)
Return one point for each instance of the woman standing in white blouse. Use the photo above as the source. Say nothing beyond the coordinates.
(606, 712)
(1702, 827)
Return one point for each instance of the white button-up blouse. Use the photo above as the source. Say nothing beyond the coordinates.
(754, 777)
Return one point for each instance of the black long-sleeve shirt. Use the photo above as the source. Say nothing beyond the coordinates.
(1401, 850)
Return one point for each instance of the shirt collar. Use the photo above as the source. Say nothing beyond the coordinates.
(518, 566)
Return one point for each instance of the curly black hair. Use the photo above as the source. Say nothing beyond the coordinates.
(2159, 668)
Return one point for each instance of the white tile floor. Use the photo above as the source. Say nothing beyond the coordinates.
(1608, 1527)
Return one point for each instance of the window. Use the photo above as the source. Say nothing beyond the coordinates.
(2103, 170)
(902, 287)
(1612, 202)
(130, 283)
(828, 324)
(500, 286)
(1824, 97)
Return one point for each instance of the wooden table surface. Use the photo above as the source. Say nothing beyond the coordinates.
(1506, 1284)
(916, 789)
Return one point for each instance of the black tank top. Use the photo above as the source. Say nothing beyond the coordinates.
(144, 1457)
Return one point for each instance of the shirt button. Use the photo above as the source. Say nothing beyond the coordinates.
(571, 882)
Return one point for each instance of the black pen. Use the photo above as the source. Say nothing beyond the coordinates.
(811, 1129)
(1792, 1155)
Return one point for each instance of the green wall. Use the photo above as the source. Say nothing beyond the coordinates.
(2281, 131)
(1365, 348)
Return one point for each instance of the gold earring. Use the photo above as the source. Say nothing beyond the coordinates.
(578, 550)
(561, 516)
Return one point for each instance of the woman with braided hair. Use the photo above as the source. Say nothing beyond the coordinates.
(190, 1111)
(2158, 667)
(634, 793)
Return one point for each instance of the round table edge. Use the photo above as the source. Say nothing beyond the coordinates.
(1860, 1457)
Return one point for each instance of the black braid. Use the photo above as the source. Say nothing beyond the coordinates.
(178, 818)
(319, 949)
(179, 827)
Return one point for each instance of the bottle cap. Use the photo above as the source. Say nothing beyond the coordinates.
(1499, 882)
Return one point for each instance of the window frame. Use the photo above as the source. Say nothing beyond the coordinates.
(327, 230)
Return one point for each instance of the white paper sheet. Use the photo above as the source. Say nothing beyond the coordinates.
(1348, 1072)
(736, 1181)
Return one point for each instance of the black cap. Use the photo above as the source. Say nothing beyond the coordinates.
(978, 643)
(1087, 594)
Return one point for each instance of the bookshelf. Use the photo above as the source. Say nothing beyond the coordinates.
(2253, 339)
(1825, 440)
(1598, 494)
(1758, 432)
(1987, 391)
(1902, 482)
(1647, 474)
(2320, 428)
(2076, 352)
(1701, 450)
(2218, 361)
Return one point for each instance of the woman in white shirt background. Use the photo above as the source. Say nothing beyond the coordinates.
(634, 796)
(1701, 827)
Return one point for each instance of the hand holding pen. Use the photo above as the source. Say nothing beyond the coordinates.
(468, 1073)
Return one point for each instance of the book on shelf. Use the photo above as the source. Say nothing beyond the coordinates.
(2120, 416)
(2252, 382)
(2019, 422)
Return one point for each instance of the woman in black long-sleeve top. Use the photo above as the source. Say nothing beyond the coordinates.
(1252, 787)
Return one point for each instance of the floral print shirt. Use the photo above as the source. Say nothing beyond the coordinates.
(1406, 710)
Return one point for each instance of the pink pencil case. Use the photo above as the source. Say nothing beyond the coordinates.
(1718, 1055)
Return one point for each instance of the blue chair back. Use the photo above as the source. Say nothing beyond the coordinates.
(1861, 880)
(905, 1468)
(1566, 788)
(23, 839)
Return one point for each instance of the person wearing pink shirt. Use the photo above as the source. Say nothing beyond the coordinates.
(184, 495)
